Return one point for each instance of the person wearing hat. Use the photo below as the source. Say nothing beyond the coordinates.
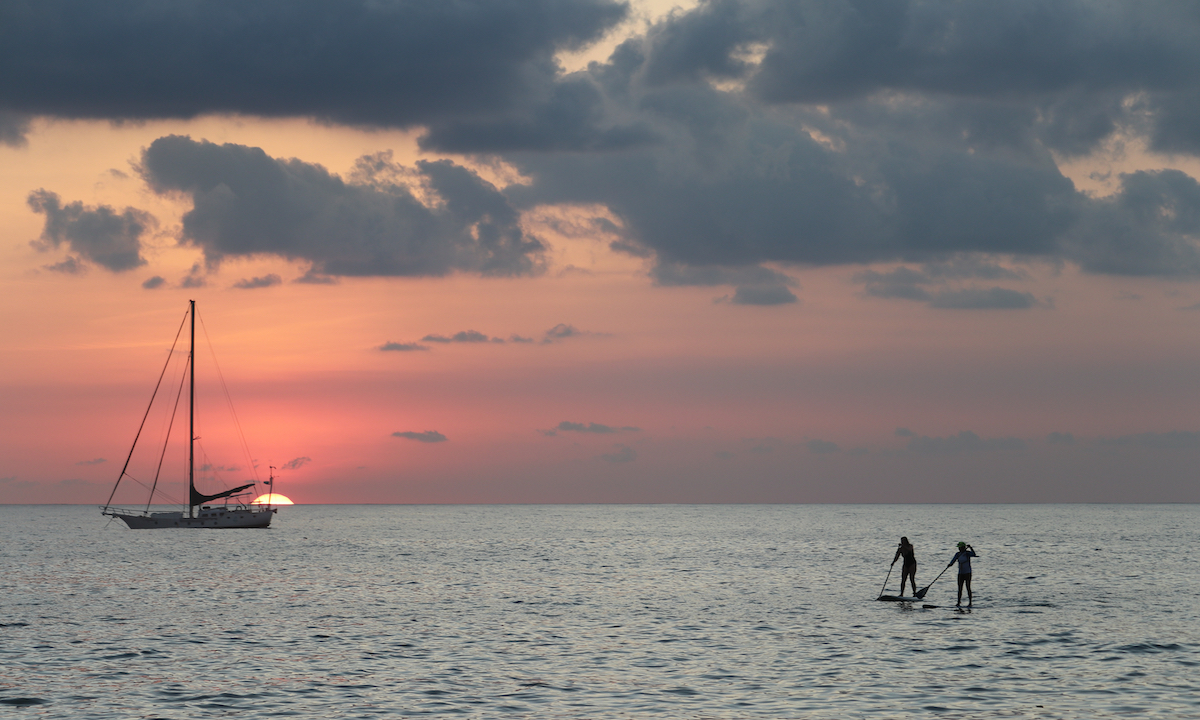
(963, 558)
(909, 569)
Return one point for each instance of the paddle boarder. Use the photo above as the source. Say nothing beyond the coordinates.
(908, 571)
(963, 558)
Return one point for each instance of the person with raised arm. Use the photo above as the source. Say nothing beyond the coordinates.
(963, 558)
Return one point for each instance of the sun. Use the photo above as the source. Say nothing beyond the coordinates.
(272, 499)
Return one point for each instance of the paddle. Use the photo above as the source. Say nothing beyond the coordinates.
(920, 594)
(889, 575)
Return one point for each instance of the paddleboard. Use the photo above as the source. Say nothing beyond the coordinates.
(898, 598)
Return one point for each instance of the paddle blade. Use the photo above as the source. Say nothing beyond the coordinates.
(920, 594)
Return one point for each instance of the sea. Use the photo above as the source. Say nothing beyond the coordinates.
(603, 611)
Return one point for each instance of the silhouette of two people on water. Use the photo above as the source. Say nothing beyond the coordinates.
(908, 571)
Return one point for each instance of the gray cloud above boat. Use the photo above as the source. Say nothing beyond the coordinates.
(247, 203)
(102, 234)
(730, 135)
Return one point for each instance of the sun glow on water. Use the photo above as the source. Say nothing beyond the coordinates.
(272, 499)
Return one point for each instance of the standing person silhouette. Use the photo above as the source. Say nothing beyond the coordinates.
(908, 571)
(963, 558)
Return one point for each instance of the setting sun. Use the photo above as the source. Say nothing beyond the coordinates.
(272, 499)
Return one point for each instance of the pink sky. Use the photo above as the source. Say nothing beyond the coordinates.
(1086, 390)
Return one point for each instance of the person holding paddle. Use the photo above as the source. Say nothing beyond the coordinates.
(908, 571)
(963, 558)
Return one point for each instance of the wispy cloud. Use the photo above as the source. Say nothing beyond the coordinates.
(258, 282)
(465, 336)
(429, 436)
(1173, 440)
(621, 454)
(591, 427)
(821, 447)
(964, 442)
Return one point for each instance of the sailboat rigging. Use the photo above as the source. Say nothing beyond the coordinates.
(197, 514)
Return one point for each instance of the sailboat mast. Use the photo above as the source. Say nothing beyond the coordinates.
(192, 413)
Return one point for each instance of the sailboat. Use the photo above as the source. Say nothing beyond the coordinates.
(199, 511)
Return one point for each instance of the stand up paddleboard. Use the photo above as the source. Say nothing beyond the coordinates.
(898, 598)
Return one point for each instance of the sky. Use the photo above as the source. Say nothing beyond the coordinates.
(561, 251)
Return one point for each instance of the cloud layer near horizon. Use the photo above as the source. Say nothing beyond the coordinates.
(726, 136)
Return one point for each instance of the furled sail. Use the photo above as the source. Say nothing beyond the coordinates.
(199, 498)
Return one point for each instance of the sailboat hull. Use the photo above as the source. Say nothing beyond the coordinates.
(215, 519)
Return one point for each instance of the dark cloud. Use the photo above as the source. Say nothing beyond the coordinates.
(770, 295)
(313, 278)
(268, 280)
(755, 285)
(296, 463)
(519, 339)
(1066, 61)
(702, 44)
(732, 186)
(391, 64)
(821, 447)
(995, 298)
(1176, 122)
(209, 467)
(892, 131)
(962, 443)
(102, 235)
(1151, 226)
(97, 461)
(154, 283)
(1174, 440)
(401, 347)
(560, 331)
(620, 454)
(195, 278)
(465, 336)
(246, 203)
(939, 285)
(568, 426)
(727, 136)
(71, 265)
(572, 118)
(1060, 438)
(13, 128)
(429, 436)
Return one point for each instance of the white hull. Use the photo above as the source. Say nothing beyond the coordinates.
(214, 519)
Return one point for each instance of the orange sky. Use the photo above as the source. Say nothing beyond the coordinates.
(1089, 395)
(725, 397)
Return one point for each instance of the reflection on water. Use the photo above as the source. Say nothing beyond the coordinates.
(603, 611)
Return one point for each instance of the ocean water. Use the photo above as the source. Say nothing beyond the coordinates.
(710, 611)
